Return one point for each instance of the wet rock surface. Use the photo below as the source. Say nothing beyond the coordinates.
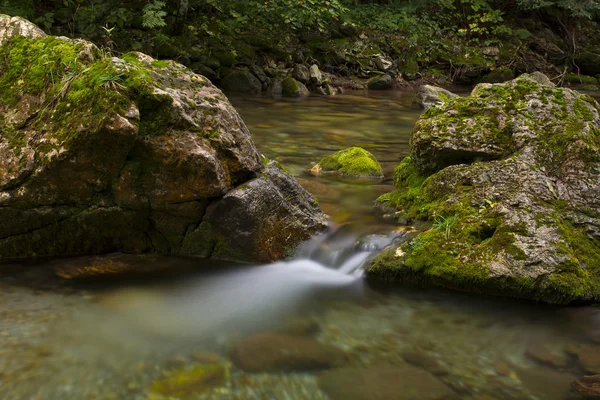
(130, 155)
(270, 352)
(509, 178)
(383, 383)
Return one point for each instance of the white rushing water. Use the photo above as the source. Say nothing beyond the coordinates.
(243, 299)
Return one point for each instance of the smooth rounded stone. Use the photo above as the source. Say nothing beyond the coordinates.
(425, 361)
(241, 81)
(300, 327)
(543, 354)
(352, 162)
(137, 167)
(588, 357)
(301, 73)
(382, 63)
(383, 383)
(277, 352)
(429, 95)
(381, 82)
(587, 386)
(290, 87)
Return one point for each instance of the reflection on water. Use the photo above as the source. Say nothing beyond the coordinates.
(300, 132)
(269, 332)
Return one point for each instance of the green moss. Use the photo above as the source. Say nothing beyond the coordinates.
(581, 79)
(290, 87)
(354, 161)
(188, 383)
(160, 63)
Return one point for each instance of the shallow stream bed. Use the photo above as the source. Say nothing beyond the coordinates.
(193, 335)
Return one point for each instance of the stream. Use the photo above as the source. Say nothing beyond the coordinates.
(136, 338)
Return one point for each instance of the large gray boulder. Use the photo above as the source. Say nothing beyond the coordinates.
(131, 154)
(510, 180)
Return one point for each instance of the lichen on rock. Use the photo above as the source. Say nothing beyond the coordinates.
(508, 179)
(101, 154)
(353, 162)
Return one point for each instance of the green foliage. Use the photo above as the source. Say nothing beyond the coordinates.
(154, 15)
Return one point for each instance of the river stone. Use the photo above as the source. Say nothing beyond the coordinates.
(381, 82)
(316, 78)
(545, 355)
(132, 155)
(241, 81)
(383, 383)
(589, 62)
(588, 357)
(587, 386)
(293, 88)
(301, 73)
(277, 352)
(509, 176)
(352, 162)
(429, 95)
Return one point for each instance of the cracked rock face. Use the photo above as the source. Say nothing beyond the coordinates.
(510, 179)
(103, 154)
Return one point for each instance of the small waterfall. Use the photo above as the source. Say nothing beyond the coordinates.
(248, 298)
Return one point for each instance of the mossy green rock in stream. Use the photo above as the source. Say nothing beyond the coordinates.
(292, 88)
(509, 178)
(499, 75)
(352, 162)
(105, 154)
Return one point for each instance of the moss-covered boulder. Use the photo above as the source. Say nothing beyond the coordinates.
(103, 154)
(508, 179)
(353, 162)
(290, 87)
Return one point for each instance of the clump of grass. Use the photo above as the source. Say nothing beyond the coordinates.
(444, 224)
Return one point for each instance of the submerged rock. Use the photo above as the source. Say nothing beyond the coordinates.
(188, 383)
(383, 383)
(587, 386)
(276, 352)
(131, 154)
(509, 179)
(352, 162)
(428, 96)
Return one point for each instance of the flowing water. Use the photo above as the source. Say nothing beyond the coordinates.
(185, 335)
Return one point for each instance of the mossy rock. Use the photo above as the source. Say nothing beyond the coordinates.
(103, 154)
(187, 383)
(292, 88)
(381, 82)
(507, 180)
(353, 162)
